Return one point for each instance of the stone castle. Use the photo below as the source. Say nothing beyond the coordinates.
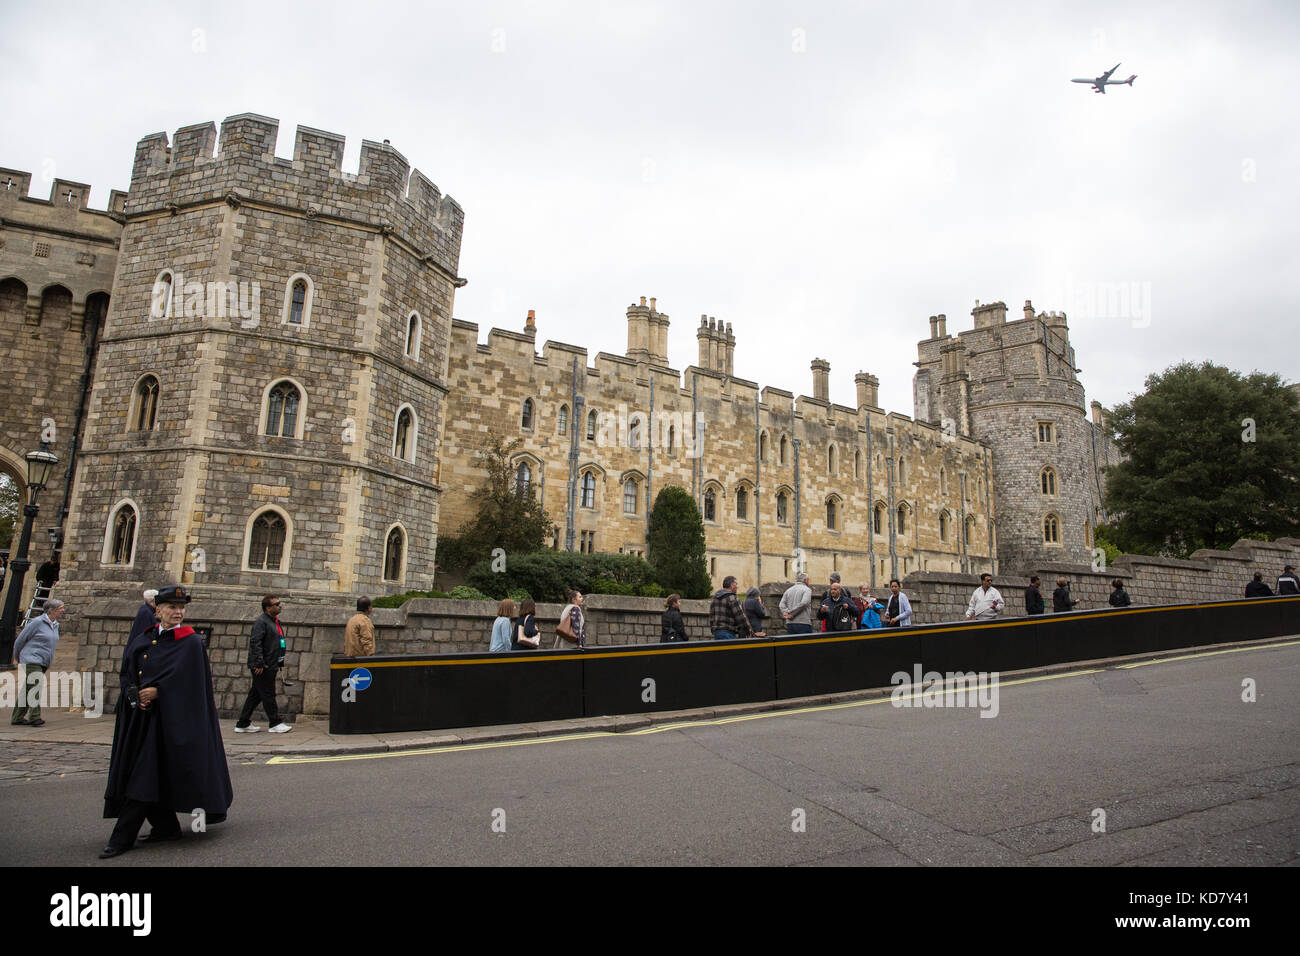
(256, 383)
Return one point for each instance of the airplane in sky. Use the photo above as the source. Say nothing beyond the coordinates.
(1100, 83)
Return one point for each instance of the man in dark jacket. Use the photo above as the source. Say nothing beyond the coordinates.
(264, 644)
(726, 617)
(1287, 583)
(1257, 587)
(1034, 603)
(167, 753)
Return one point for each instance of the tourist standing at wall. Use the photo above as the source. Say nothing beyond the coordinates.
(986, 603)
(145, 618)
(1257, 587)
(1061, 600)
(726, 617)
(755, 612)
(264, 644)
(359, 638)
(898, 612)
(1118, 596)
(1034, 603)
(34, 651)
(871, 612)
(796, 606)
(572, 628)
(526, 636)
(1287, 583)
(673, 627)
(835, 599)
(501, 627)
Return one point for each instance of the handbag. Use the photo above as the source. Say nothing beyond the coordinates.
(565, 628)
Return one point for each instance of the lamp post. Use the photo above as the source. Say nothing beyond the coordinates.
(39, 465)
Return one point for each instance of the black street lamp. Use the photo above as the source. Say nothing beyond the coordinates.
(39, 465)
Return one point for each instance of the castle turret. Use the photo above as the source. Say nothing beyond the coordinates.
(303, 315)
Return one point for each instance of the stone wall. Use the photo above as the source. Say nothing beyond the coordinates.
(57, 259)
(314, 633)
(427, 626)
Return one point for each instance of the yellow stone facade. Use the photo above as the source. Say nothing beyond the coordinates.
(867, 493)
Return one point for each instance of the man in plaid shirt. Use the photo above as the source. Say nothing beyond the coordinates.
(726, 617)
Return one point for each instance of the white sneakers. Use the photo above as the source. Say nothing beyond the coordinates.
(280, 728)
(250, 729)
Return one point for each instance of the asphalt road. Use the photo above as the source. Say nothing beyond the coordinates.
(1185, 770)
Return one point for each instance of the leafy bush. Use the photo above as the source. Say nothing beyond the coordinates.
(546, 575)
(463, 592)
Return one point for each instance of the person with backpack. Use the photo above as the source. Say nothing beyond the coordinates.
(837, 611)
(1118, 596)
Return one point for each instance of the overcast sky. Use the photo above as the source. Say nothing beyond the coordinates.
(823, 176)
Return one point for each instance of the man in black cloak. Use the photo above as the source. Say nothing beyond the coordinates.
(167, 750)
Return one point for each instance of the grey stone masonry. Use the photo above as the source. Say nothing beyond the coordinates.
(216, 240)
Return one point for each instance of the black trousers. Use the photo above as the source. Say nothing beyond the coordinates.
(263, 692)
(132, 817)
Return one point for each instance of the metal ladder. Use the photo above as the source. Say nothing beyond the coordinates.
(37, 606)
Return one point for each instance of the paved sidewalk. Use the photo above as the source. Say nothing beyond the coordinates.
(311, 735)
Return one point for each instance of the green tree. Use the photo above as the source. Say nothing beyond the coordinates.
(10, 508)
(510, 515)
(1210, 456)
(676, 545)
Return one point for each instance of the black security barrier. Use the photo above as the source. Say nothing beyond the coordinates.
(829, 663)
(629, 680)
(468, 690)
(454, 690)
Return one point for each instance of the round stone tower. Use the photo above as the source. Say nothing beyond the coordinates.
(1014, 386)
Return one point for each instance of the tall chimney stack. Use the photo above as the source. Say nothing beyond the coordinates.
(821, 370)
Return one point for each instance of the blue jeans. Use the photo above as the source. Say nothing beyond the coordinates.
(723, 636)
(798, 628)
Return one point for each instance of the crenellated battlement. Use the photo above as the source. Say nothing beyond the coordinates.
(66, 196)
(199, 166)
